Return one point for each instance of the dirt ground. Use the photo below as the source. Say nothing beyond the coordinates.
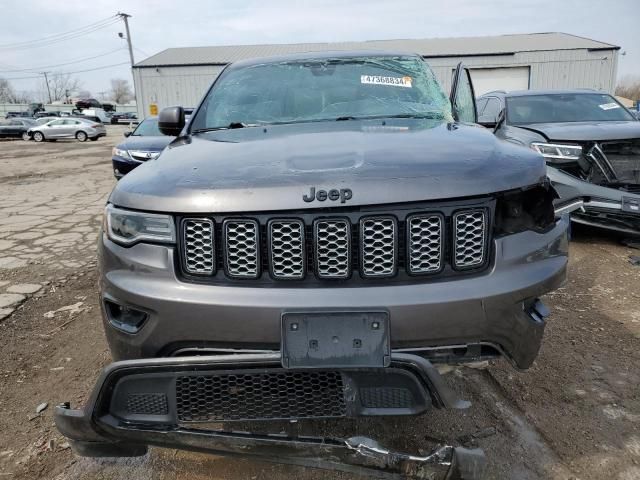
(574, 415)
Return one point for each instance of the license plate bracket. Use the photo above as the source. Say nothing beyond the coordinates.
(335, 340)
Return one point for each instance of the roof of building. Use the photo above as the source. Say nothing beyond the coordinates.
(427, 47)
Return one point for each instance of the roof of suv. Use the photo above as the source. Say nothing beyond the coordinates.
(522, 93)
(320, 56)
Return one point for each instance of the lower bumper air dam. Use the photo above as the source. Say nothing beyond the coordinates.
(157, 402)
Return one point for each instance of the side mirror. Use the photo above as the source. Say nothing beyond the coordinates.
(487, 121)
(171, 121)
(127, 134)
(500, 120)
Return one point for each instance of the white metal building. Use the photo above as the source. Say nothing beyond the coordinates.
(180, 76)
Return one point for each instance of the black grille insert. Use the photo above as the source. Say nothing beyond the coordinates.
(147, 404)
(260, 396)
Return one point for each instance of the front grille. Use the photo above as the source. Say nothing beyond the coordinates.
(286, 241)
(469, 242)
(333, 248)
(425, 239)
(260, 395)
(354, 247)
(379, 249)
(242, 252)
(199, 246)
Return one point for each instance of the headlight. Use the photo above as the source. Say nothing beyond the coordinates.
(126, 227)
(117, 152)
(559, 152)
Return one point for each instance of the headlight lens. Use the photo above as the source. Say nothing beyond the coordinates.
(127, 227)
(118, 152)
(559, 152)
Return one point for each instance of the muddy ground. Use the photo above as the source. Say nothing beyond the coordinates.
(574, 415)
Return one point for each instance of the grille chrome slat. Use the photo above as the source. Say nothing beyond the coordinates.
(333, 248)
(425, 241)
(378, 243)
(287, 245)
(469, 231)
(242, 243)
(199, 246)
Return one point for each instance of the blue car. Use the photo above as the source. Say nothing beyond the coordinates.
(144, 143)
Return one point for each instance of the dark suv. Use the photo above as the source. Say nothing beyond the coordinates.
(591, 144)
(324, 229)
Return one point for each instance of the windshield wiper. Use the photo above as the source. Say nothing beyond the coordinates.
(231, 126)
(427, 115)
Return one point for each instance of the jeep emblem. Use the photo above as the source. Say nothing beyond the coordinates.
(343, 195)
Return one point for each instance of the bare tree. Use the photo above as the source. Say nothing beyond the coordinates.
(120, 90)
(61, 85)
(7, 93)
(629, 87)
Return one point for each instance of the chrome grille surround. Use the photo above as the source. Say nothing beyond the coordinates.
(425, 243)
(287, 247)
(469, 231)
(332, 248)
(242, 248)
(199, 246)
(379, 246)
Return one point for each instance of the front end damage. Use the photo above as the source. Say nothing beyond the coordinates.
(191, 403)
(602, 186)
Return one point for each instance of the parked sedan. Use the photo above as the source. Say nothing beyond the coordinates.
(15, 127)
(124, 118)
(144, 143)
(77, 128)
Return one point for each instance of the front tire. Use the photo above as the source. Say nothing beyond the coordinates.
(81, 136)
(38, 137)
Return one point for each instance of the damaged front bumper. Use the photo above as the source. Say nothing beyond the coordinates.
(158, 402)
(600, 206)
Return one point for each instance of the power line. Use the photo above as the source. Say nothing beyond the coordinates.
(57, 35)
(62, 37)
(80, 60)
(70, 73)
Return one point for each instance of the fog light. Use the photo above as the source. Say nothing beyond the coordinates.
(123, 318)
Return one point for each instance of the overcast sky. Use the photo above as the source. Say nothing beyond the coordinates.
(159, 24)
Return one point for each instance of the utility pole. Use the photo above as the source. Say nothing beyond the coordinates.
(46, 80)
(125, 18)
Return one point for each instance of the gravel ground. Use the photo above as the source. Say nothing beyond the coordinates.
(574, 415)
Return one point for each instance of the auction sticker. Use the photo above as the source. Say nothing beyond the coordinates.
(609, 106)
(392, 81)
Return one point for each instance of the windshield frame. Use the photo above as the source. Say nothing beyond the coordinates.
(341, 57)
(552, 94)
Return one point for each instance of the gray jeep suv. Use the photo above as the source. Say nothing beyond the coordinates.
(325, 229)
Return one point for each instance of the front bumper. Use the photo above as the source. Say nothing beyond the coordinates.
(496, 308)
(604, 207)
(105, 428)
(122, 166)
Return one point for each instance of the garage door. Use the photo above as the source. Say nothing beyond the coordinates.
(507, 78)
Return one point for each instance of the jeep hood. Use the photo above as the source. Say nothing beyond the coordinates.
(259, 169)
(586, 131)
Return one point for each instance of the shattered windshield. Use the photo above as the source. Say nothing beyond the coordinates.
(326, 89)
(565, 107)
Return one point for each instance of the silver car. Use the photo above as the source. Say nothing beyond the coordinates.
(77, 128)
